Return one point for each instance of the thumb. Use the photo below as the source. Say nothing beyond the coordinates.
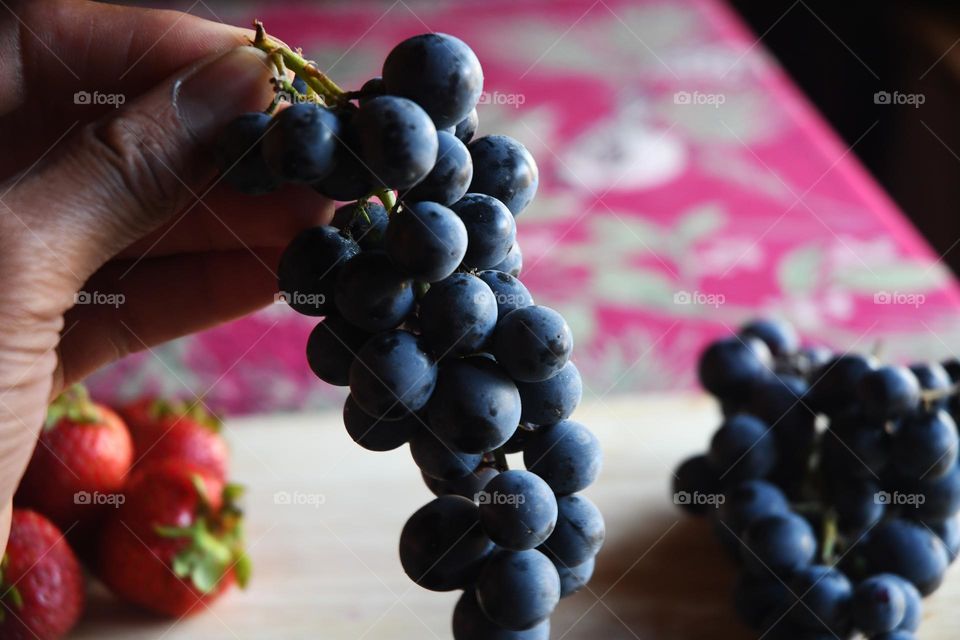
(115, 179)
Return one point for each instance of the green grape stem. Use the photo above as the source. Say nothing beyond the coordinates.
(388, 198)
(318, 81)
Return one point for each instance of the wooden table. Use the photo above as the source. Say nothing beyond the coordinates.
(326, 561)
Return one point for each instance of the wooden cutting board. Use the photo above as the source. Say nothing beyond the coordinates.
(324, 518)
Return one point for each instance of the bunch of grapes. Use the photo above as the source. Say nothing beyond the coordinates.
(441, 345)
(833, 480)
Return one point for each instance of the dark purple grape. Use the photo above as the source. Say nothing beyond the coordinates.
(553, 399)
(239, 154)
(925, 446)
(467, 128)
(695, 477)
(532, 343)
(442, 546)
(746, 502)
(437, 71)
(508, 290)
(783, 544)
(426, 240)
(331, 349)
(566, 454)
(301, 146)
(948, 530)
(888, 393)
(398, 142)
(729, 368)
(438, 461)
(743, 448)
(823, 596)
(365, 222)
(372, 295)
(309, 268)
(833, 387)
(491, 229)
(458, 315)
(372, 88)
(475, 407)
(393, 376)
(469, 486)
(908, 550)
(377, 434)
(504, 169)
(471, 623)
(518, 510)
(780, 337)
(573, 579)
(933, 377)
(579, 533)
(518, 589)
(513, 263)
(350, 178)
(447, 182)
(879, 605)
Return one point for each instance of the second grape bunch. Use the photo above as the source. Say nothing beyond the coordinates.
(426, 321)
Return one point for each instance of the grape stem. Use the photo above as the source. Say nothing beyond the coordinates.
(315, 79)
(829, 541)
(388, 198)
(500, 460)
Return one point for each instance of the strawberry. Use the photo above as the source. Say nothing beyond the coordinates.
(41, 586)
(176, 543)
(164, 429)
(79, 465)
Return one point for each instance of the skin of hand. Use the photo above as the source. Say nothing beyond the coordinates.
(120, 199)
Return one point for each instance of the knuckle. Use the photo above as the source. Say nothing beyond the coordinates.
(132, 149)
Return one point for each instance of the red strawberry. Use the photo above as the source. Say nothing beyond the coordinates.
(176, 543)
(79, 465)
(41, 587)
(163, 429)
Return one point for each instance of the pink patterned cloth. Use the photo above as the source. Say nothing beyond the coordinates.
(686, 185)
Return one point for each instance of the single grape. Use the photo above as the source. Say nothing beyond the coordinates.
(518, 510)
(513, 263)
(458, 315)
(857, 505)
(309, 268)
(566, 454)
(426, 240)
(491, 229)
(925, 446)
(301, 146)
(393, 376)
(471, 623)
(579, 533)
(695, 476)
(239, 154)
(730, 367)
(887, 393)
(933, 377)
(467, 128)
(475, 407)
(469, 486)
(504, 169)
(398, 142)
(371, 89)
(447, 182)
(948, 530)
(854, 447)
(833, 386)
(743, 448)
(532, 343)
(783, 544)
(438, 461)
(746, 502)
(508, 290)
(372, 295)
(553, 399)
(518, 589)
(879, 605)
(350, 178)
(442, 546)
(365, 222)
(823, 595)
(437, 71)
(377, 434)
(756, 598)
(941, 496)
(908, 550)
(780, 336)
(913, 613)
(332, 347)
(573, 579)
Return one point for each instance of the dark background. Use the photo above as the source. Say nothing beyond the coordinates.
(841, 52)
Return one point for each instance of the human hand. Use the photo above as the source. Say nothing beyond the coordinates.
(121, 203)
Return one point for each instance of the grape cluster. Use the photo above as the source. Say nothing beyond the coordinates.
(833, 480)
(424, 318)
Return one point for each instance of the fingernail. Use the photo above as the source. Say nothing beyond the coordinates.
(220, 89)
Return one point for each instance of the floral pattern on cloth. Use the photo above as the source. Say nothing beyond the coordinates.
(686, 185)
